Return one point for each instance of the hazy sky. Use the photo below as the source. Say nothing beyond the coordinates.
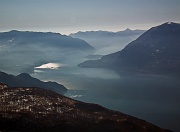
(67, 16)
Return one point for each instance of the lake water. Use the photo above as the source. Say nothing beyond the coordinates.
(154, 98)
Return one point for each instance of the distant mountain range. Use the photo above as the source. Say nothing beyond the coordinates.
(25, 80)
(21, 51)
(155, 51)
(107, 42)
(36, 109)
(100, 33)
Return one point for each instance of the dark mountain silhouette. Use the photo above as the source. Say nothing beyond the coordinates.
(157, 50)
(25, 80)
(36, 109)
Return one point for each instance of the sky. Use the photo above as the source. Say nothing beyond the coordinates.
(69, 16)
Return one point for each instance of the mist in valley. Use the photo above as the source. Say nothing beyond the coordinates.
(106, 42)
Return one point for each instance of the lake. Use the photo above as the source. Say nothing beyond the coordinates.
(154, 98)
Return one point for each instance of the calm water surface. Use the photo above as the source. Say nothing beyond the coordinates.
(154, 98)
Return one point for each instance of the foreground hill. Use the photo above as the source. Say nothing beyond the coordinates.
(157, 51)
(25, 80)
(36, 109)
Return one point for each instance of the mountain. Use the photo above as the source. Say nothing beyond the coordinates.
(21, 51)
(25, 80)
(155, 51)
(107, 42)
(37, 109)
(101, 33)
(48, 39)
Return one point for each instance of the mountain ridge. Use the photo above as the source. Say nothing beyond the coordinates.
(102, 32)
(25, 80)
(43, 37)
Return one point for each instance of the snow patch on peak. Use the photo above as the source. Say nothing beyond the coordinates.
(169, 22)
(127, 29)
